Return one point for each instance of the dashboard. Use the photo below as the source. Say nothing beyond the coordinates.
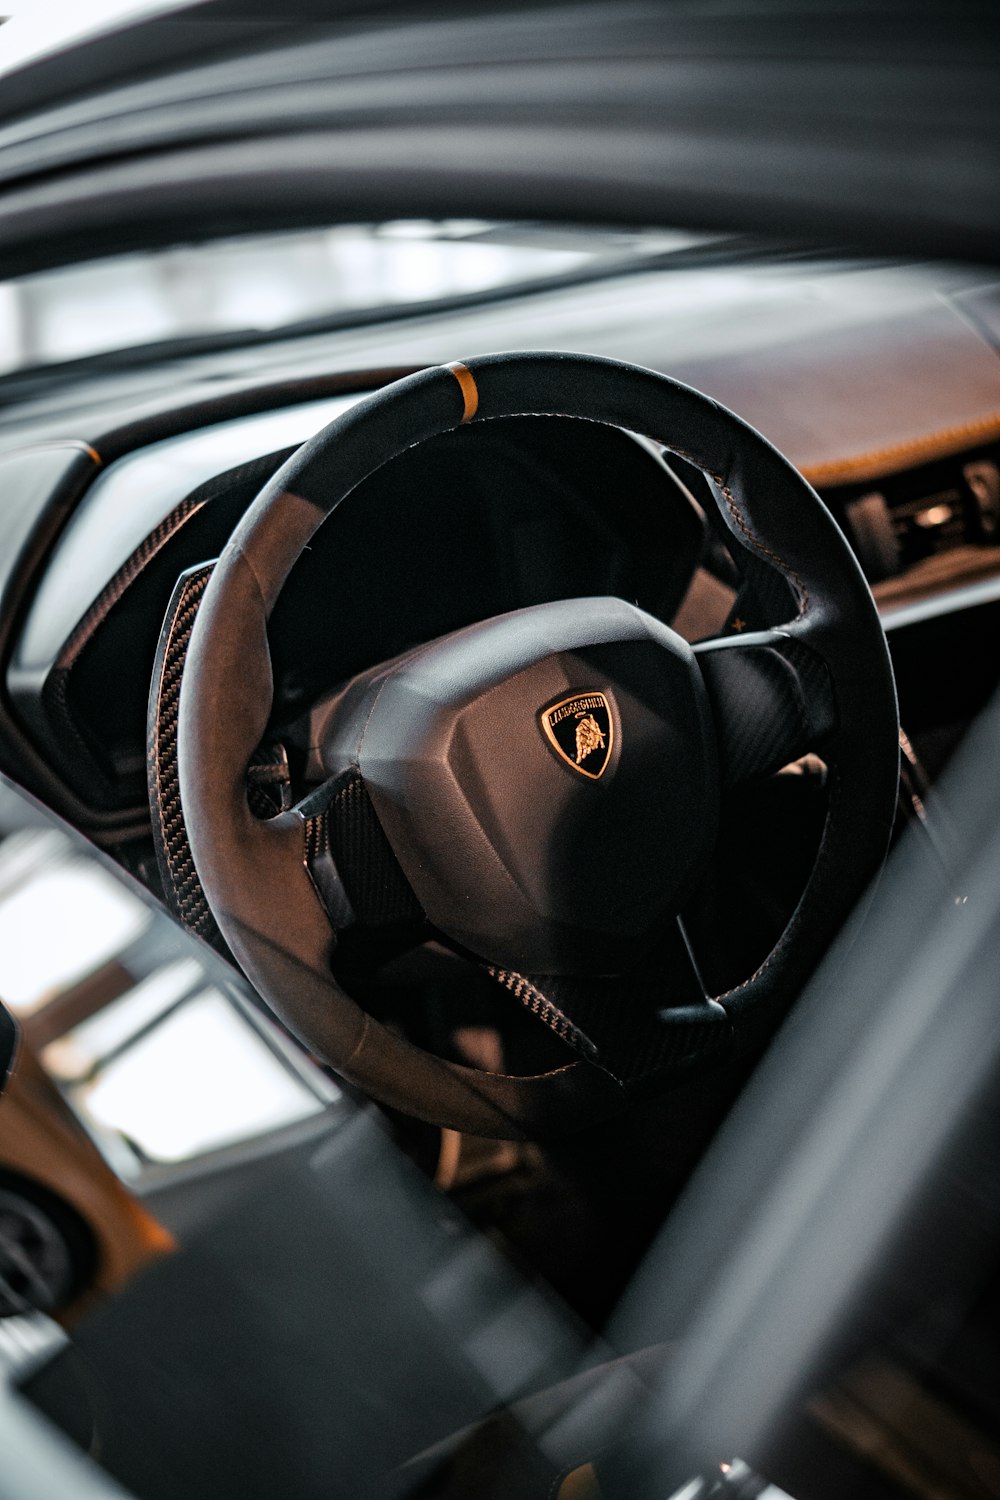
(881, 382)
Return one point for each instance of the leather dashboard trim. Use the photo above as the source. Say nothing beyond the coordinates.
(883, 461)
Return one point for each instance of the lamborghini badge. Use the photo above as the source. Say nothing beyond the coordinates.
(581, 731)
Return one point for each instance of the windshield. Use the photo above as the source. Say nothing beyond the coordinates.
(257, 284)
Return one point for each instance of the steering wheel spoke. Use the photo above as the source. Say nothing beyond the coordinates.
(645, 1026)
(349, 860)
(772, 700)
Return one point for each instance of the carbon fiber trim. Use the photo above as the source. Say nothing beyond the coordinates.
(269, 782)
(772, 702)
(181, 886)
(626, 1024)
(340, 829)
(320, 864)
(267, 777)
(539, 1004)
(348, 856)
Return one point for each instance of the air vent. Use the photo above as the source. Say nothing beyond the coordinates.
(923, 513)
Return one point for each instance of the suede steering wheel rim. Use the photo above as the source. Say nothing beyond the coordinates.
(822, 678)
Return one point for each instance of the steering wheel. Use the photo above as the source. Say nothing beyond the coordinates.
(543, 787)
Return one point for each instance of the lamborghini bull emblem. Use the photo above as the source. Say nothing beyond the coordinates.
(581, 731)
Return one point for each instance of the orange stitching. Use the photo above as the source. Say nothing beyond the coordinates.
(759, 546)
(881, 461)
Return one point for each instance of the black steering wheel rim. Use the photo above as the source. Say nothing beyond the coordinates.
(255, 874)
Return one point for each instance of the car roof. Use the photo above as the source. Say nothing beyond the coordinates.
(875, 124)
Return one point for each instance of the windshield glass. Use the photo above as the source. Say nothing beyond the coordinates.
(255, 284)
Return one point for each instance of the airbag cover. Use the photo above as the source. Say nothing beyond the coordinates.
(558, 849)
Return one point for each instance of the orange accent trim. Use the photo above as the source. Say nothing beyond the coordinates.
(77, 443)
(882, 461)
(580, 1484)
(470, 391)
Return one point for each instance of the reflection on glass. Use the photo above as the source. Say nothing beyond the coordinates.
(59, 924)
(76, 1054)
(200, 1079)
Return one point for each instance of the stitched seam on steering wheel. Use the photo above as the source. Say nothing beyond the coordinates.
(758, 546)
(786, 567)
(411, 656)
(732, 506)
